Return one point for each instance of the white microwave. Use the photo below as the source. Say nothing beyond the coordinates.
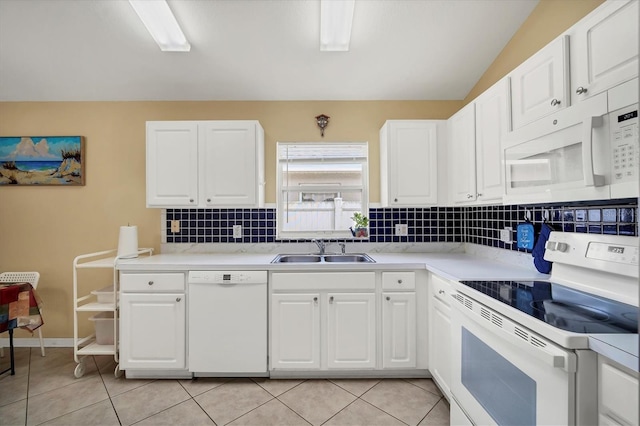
(589, 151)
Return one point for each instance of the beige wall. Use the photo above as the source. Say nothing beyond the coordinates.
(44, 228)
(549, 19)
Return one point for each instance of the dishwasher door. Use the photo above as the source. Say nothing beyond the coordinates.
(228, 323)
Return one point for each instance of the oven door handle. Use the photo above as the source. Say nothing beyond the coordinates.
(502, 327)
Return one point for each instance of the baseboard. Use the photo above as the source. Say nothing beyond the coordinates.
(34, 342)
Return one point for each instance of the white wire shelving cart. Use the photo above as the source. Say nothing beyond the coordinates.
(98, 301)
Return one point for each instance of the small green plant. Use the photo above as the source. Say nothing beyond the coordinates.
(361, 220)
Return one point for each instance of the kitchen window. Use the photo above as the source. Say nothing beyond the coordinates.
(320, 186)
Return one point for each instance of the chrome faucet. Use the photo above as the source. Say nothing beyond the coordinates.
(320, 244)
(342, 247)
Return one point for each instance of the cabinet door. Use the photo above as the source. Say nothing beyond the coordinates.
(399, 330)
(152, 331)
(228, 163)
(172, 163)
(462, 159)
(409, 170)
(440, 344)
(295, 331)
(540, 85)
(492, 123)
(604, 49)
(351, 330)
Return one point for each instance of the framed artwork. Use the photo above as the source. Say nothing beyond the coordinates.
(42, 160)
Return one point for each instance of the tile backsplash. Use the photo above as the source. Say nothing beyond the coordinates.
(473, 224)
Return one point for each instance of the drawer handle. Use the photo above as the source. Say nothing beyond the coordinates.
(178, 299)
(399, 281)
(150, 282)
(331, 299)
(440, 291)
(315, 299)
(388, 298)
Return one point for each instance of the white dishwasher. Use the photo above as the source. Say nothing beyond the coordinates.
(227, 323)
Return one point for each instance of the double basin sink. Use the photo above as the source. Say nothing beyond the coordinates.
(318, 258)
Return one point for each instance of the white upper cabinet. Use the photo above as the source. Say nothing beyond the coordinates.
(408, 163)
(493, 121)
(172, 164)
(604, 48)
(230, 162)
(462, 155)
(205, 164)
(540, 85)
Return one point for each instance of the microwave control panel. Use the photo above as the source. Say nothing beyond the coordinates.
(625, 147)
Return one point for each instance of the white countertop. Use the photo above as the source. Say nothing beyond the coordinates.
(454, 266)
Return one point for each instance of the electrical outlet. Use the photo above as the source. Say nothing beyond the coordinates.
(506, 234)
(175, 226)
(402, 230)
(237, 231)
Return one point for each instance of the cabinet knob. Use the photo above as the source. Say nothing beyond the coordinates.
(191, 200)
(178, 299)
(399, 281)
(208, 200)
(580, 90)
(315, 299)
(331, 299)
(395, 199)
(388, 298)
(479, 195)
(469, 196)
(555, 102)
(440, 291)
(150, 282)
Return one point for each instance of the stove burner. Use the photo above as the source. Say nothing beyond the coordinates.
(561, 306)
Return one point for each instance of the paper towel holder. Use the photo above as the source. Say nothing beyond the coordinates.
(128, 242)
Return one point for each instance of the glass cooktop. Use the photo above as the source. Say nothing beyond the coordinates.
(562, 307)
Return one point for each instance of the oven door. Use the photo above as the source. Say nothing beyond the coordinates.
(504, 374)
(560, 158)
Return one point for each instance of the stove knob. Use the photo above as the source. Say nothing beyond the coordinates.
(563, 247)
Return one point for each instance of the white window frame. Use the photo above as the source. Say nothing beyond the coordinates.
(281, 234)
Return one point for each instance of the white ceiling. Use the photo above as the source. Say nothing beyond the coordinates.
(98, 50)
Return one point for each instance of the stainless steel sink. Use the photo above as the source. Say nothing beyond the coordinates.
(297, 258)
(329, 258)
(348, 258)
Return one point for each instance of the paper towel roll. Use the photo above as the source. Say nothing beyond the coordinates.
(128, 242)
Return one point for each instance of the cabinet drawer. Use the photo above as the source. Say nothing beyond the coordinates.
(151, 282)
(318, 281)
(441, 289)
(618, 393)
(398, 280)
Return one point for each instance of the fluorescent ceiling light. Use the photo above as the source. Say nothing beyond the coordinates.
(160, 22)
(336, 18)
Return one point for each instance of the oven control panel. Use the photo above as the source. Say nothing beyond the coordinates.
(613, 253)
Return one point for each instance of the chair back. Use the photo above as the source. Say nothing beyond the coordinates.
(20, 277)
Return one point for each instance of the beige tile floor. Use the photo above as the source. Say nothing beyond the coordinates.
(44, 391)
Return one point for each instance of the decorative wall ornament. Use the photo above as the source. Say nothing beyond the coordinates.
(323, 121)
(42, 160)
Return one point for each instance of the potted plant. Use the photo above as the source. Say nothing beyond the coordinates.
(361, 225)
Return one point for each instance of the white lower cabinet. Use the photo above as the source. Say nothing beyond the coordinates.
(295, 331)
(399, 330)
(351, 330)
(617, 394)
(440, 333)
(152, 322)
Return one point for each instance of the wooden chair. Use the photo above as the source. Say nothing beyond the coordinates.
(23, 277)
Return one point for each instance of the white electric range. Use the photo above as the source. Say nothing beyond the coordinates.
(521, 348)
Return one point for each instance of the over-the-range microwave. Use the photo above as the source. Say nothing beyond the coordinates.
(588, 151)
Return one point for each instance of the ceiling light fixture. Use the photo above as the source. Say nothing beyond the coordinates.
(161, 24)
(336, 19)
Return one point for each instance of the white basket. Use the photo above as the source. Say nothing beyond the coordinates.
(103, 323)
(105, 295)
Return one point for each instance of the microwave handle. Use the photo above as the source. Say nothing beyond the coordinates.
(590, 178)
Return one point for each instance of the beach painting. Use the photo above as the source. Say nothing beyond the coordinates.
(42, 160)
